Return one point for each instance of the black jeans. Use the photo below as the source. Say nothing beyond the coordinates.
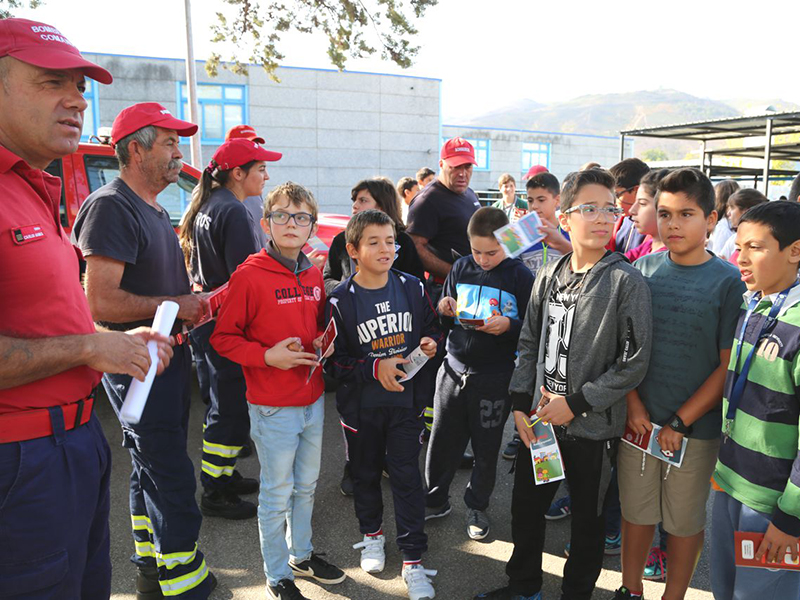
(587, 465)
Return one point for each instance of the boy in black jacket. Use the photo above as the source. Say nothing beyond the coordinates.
(382, 316)
(472, 400)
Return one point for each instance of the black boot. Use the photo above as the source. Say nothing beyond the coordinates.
(227, 506)
(147, 586)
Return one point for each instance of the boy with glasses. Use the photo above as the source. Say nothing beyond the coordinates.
(627, 176)
(270, 323)
(585, 343)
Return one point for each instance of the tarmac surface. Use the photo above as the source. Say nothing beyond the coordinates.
(465, 567)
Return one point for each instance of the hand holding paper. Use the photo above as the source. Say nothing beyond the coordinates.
(282, 357)
(388, 372)
(136, 398)
(556, 410)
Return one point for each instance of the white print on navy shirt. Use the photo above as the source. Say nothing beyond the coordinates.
(386, 334)
(561, 307)
(203, 220)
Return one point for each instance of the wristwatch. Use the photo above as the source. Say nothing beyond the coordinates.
(677, 424)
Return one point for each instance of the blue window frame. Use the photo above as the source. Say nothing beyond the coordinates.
(91, 116)
(482, 152)
(221, 107)
(535, 153)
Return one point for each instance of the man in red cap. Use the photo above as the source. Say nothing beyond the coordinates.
(133, 263)
(437, 222)
(56, 464)
(253, 204)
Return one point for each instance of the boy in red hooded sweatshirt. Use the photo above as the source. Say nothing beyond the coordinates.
(269, 323)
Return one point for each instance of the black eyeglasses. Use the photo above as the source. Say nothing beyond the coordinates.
(280, 217)
(590, 212)
(623, 192)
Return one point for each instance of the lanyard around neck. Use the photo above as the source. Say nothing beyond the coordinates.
(740, 379)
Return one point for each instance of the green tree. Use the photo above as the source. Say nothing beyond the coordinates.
(354, 29)
(654, 154)
(8, 6)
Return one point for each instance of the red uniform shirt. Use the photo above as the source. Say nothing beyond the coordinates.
(40, 291)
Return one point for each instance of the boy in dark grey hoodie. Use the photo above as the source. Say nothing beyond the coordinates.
(584, 344)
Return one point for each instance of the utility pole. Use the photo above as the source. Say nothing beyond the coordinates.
(191, 85)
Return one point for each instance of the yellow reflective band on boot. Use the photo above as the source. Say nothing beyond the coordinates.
(216, 471)
(174, 559)
(220, 450)
(144, 549)
(180, 585)
(141, 522)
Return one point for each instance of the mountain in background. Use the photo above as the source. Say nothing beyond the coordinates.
(608, 114)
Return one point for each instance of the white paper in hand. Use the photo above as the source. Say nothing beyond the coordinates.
(136, 398)
(417, 360)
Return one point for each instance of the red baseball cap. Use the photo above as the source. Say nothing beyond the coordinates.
(140, 115)
(243, 132)
(44, 46)
(237, 152)
(535, 170)
(457, 152)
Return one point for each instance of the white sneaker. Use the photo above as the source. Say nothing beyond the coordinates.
(417, 582)
(373, 556)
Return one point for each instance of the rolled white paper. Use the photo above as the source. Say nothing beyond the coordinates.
(136, 398)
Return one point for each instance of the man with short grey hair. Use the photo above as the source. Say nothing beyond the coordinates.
(133, 263)
(56, 463)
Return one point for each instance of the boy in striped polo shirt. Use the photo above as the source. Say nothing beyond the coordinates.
(758, 472)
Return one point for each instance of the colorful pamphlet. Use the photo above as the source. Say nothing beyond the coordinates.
(746, 545)
(317, 244)
(648, 443)
(548, 466)
(521, 235)
(417, 360)
(471, 323)
(327, 341)
(215, 300)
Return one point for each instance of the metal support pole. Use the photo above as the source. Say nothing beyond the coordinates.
(191, 84)
(767, 155)
(622, 146)
(703, 158)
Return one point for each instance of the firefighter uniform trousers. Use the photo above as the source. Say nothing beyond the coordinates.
(227, 423)
(164, 514)
(54, 505)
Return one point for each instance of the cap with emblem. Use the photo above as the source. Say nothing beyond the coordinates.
(244, 132)
(457, 152)
(45, 46)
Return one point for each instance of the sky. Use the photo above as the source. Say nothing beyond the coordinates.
(490, 54)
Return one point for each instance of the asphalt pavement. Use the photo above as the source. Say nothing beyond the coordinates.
(465, 567)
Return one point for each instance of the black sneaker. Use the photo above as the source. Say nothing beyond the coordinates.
(319, 569)
(438, 511)
(512, 448)
(227, 506)
(285, 590)
(346, 484)
(242, 485)
(147, 586)
(624, 593)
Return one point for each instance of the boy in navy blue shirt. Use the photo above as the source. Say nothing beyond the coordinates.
(472, 400)
(382, 316)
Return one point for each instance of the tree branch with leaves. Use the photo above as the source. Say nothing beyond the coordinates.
(354, 29)
(8, 6)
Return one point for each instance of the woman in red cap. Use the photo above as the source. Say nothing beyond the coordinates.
(217, 235)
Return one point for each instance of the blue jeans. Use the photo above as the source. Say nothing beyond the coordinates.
(729, 582)
(288, 440)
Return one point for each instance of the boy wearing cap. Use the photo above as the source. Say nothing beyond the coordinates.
(217, 236)
(134, 263)
(56, 463)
